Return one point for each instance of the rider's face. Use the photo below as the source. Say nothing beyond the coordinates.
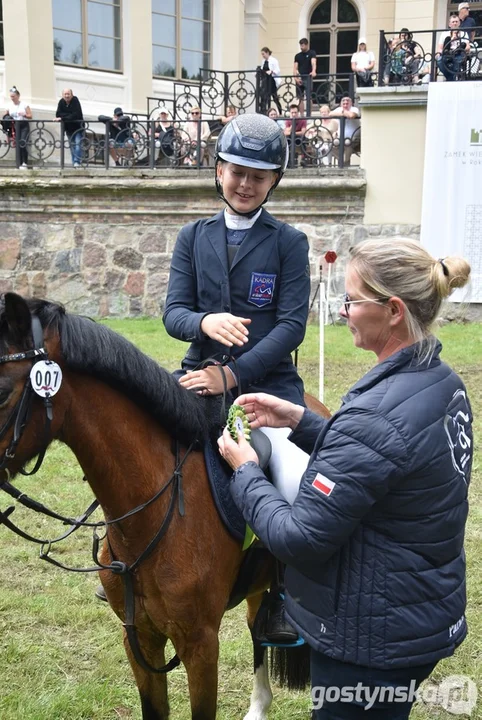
(244, 188)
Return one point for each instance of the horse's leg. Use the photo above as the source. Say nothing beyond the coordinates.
(200, 658)
(152, 686)
(261, 697)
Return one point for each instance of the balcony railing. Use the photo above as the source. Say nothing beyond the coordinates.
(408, 58)
(250, 91)
(144, 143)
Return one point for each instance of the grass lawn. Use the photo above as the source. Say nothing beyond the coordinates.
(61, 649)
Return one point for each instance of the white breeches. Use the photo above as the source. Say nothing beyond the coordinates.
(287, 463)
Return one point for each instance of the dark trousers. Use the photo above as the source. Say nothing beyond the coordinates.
(22, 129)
(268, 90)
(333, 680)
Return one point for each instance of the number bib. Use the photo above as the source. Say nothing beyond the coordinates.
(46, 378)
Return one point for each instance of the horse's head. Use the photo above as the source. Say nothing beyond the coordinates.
(26, 385)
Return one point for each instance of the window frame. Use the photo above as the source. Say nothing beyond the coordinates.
(178, 49)
(333, 27)
(84, 33)
(2, 54)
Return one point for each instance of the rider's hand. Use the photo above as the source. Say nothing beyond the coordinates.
(236, 453)
(208, 381)
(265, 410)
(226, 328)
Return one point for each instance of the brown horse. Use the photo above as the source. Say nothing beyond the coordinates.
(121, 414)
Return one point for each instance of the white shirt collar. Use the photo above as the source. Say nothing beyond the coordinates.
(240, 222)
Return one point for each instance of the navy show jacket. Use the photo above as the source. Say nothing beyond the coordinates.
(268, 282)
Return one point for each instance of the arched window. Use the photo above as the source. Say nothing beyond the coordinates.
(181, 37)
(333, 30)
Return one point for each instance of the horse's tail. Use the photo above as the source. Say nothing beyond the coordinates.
(290, 666)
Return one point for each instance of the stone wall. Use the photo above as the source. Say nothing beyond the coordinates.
(101, 243)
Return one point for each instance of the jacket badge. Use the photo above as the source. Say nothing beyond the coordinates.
(323, 484)
(261, 290)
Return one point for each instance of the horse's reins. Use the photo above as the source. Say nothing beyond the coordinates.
(19, 418)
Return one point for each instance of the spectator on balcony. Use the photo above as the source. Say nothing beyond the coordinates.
(120, 138)
(405, 59)
(274, 115)
(304, 67)
(453, 51)
(300, 125)
(362, 64)
(466, 22)
(198, 132)
(269, 81)
(18, 113)
(164, 135)
(330, 131)
(351, 129)
(69, 110)
(231, 113)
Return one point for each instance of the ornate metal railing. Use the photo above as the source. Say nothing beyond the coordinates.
(250, 91)
(146, 143)
(409, 58)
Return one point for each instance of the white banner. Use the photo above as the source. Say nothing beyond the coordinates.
(452, 182)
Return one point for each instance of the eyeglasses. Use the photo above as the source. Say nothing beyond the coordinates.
(195, 113)
(347, 302)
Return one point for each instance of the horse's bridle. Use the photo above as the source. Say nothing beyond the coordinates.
(19, 417)
(21, 412)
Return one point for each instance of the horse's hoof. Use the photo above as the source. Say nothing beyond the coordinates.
(100, 593)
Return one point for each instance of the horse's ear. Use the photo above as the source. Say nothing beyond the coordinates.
(19, 320)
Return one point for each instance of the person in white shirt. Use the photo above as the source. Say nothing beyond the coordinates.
(351, 114)
(362, 63)
(21, 113)
(270, 80)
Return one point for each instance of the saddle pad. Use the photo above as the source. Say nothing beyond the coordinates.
(219, 474)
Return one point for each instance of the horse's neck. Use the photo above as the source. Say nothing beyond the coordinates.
(123, 452)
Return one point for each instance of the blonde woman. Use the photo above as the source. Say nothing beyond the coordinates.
(373, 542)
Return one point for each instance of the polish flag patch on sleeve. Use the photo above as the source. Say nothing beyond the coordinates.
(323, 484)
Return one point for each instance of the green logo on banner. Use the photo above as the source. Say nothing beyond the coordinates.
(475, 137)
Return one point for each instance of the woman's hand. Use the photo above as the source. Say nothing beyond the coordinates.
(226, 328)
(236, 453)
(208, 381)
(265, 410)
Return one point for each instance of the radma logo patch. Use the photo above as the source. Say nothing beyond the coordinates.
(261, 290)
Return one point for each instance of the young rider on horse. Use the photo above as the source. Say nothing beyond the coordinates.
(239, 284)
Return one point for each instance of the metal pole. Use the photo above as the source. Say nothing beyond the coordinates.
(152, 144)
(381, 57)
(106, 144)
(321, 370)
(341, 148)
(62, 145)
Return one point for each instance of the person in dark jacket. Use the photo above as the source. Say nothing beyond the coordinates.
(69, 110)
(373, 542)
(239, 284)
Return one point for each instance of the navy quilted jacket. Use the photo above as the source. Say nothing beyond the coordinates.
(374, 540)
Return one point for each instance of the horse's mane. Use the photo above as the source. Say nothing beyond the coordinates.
(94, 349)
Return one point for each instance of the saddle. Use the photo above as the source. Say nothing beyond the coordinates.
(219, 474)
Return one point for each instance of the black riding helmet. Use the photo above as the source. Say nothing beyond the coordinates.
(253, 141)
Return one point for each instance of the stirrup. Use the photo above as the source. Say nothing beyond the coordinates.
(272, 610)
